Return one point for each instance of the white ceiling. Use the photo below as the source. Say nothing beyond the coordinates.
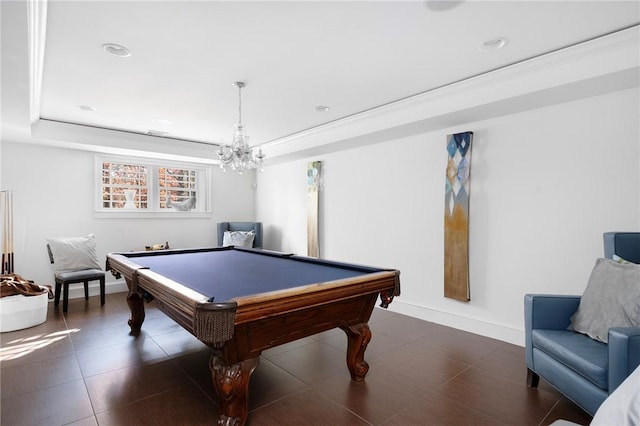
(295, 55)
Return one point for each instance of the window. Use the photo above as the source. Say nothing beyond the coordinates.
(124, 185)
(137, 186)
(177, 187)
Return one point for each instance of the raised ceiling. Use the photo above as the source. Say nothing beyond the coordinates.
(293, 55)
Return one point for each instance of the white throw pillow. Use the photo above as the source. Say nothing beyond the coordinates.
(74, 254)
(238, 238)
(611, 299)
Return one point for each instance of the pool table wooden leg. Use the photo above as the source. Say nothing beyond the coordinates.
(232, 385)
(359, 337)
(136, 305)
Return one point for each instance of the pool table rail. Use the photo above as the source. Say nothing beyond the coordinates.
(211, 322)
(317, 293)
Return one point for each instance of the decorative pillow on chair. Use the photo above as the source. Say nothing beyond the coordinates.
(611, 299)
(238, 238)
(74, 254)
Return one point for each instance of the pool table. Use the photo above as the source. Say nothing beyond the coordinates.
(241, 301)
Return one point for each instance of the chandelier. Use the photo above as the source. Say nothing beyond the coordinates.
(239, 155)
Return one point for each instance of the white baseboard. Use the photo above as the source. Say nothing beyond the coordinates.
(473, 325)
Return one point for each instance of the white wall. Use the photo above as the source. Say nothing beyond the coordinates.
(545, 185)
(53, 193)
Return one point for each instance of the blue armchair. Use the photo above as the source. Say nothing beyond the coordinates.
(583, 369)
(241, 226)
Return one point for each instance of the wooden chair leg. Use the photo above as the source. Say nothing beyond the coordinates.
(56, 300)
(102, 291)
(86, 290)
(532, 379)
(65, 297)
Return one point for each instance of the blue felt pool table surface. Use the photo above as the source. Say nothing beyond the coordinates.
(223, 275)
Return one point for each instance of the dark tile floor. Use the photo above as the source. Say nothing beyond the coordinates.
(83, 368)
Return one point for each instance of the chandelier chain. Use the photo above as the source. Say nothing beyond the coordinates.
(240, 104)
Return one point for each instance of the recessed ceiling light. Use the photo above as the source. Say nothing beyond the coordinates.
(116, 50)
(321, 108)
(86, 107)
(441, 5)
(494, 44)
(162, 121)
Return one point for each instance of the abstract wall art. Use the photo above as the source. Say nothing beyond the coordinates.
(313, 188)
(456, 217)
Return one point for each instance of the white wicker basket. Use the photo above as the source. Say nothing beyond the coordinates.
(18, 312)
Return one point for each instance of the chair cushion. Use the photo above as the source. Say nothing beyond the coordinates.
(241, 226)
(73, 254)
(238, 238)
(86, 274)
(611, 299)
(585, 356)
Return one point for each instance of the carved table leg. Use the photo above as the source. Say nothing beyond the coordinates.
(359, 336)
(232, 385)
(136, 305)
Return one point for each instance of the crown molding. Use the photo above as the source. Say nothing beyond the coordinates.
(117, 142)
(609, 63)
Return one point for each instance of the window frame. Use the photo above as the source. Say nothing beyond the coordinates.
(153, 210)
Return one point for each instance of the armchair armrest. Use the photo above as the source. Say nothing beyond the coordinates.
(546, 311)
(624, 354)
